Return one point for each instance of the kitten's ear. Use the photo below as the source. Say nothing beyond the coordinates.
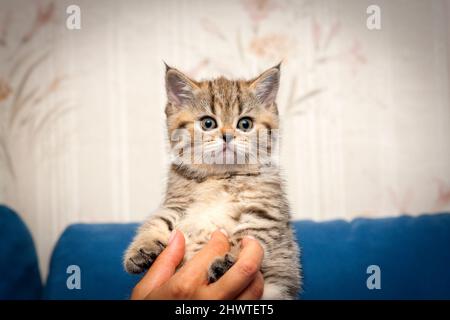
(265, 86)
(180, 89)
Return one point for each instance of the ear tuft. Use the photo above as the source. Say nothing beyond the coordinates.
(265, 87)
(167, 66)
(179, 88)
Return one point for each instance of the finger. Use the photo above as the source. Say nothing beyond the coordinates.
(255, 290)
(242, 273)
(193, 275)
(195, 271)
(163, 268)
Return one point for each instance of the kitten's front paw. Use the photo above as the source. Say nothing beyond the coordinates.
(219, 267)
(140, 255)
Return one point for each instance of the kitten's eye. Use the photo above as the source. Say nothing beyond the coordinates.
(245, 124)
(208, 123)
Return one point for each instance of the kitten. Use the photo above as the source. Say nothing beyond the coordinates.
(208, 188)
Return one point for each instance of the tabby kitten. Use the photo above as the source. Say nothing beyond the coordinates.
(229, 181)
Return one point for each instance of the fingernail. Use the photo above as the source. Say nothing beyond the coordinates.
(224, 232)
(246, 238)
(172, 236)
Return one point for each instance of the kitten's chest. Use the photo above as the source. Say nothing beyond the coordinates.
(213, 207)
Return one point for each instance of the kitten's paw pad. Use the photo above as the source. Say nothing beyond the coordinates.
(140, 258)
(219, 267)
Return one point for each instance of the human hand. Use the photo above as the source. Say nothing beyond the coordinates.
(242, 281)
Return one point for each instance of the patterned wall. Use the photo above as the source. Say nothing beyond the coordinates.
(365, 114)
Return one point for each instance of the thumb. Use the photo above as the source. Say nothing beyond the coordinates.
(163, 268)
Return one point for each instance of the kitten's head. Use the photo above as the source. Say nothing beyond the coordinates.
(222, 126)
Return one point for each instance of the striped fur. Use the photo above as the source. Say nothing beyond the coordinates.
(243, 199)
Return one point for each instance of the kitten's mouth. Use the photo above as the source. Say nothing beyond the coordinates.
(227, 149)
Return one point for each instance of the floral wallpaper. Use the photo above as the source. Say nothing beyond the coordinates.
(365, 113)
(25, 107)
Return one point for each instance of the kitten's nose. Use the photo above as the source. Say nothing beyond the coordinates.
(227, 136)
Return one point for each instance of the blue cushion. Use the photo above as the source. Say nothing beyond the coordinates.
(19, 270)
(412, 253)
(97, 249)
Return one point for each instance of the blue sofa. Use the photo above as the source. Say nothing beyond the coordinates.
(413, 255)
